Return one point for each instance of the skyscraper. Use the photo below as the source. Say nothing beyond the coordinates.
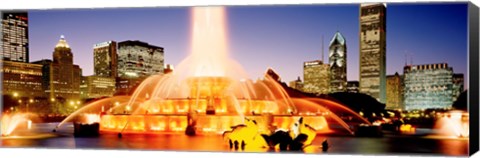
(338, 63)
(61, 77)
(373, 50)
(15, 36)
(105, 59)
(139, 59)
(315, 76)
(394, 91)
(428, 86)
(136, 61)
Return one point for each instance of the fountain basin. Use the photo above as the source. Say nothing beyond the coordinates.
(86, 130)
(205, 124)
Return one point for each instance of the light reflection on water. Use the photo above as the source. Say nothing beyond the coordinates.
(338, 144)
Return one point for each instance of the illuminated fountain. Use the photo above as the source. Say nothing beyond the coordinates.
(208, 93)
(10, 122)
(453, 124)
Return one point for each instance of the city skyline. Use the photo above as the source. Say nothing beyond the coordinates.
(266, 37)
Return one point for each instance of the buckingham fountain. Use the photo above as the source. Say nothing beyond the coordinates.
(209, 93)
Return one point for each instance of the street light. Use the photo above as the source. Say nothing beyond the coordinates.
(15, 94)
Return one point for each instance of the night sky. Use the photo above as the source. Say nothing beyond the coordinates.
(281, 37)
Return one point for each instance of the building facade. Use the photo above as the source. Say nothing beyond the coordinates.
(373, 50)
(428, 86)
(61, 77)
(296, 84)
(105, 59)
(458, 82)
(316, 77)
(126, 86)
(394, 91)
(97, 86)
(22, 79)
(338, 63)
(14, 45)
(352, 86)
(139, 59)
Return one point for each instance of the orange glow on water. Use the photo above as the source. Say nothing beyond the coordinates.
(407, 128)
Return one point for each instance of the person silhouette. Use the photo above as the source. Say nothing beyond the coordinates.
(325, 145)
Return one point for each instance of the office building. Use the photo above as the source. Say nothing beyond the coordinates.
(139, 59)
(97, 87)
(428, 86)
(373, 50)
(296, 84)
(61, 78)
(352, 86)
(126, 86)
(14, 44)
(316, 77)
(105, 59)
(338, 63)
(458, 82)
(394, 91)
(22, 79)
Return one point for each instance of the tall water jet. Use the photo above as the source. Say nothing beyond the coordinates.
(453, 123)
(10, 122)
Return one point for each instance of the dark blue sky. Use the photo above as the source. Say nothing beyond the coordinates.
(281, 37)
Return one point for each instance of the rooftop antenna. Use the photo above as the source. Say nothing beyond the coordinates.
(406, 58)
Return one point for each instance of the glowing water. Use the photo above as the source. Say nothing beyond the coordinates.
(10, 122)
(453, 123)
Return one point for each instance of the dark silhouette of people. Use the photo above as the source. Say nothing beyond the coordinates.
(243, 145)
(325, 145)
(235, 145)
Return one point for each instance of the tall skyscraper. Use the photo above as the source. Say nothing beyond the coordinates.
(61, 77)
(338, 63)
(373, 50)
(15, 36)
(139, 59)
(315, 76)
(428, 86)
(105, 59)
(394, 91)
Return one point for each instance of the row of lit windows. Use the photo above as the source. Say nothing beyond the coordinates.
(22, 72)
